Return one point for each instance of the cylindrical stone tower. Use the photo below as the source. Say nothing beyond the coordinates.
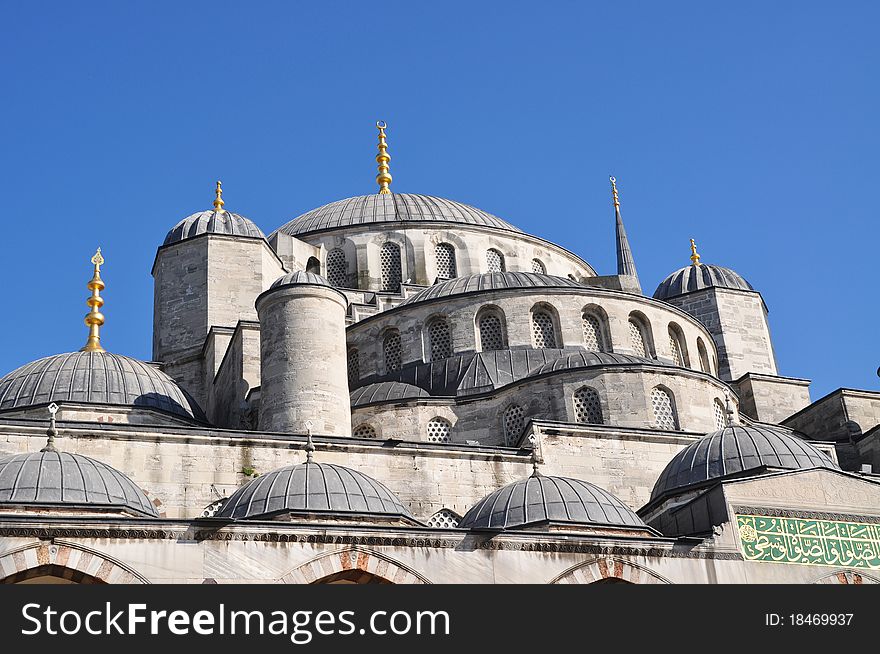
(303, 357)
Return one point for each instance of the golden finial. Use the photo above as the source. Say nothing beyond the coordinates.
(614, 192)
(383, 179)
(94, 318)
(218, 197)
(695, 258)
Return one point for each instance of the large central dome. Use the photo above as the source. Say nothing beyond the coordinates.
(391, 208)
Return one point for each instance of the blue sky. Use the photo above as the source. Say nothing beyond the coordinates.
(749, 126)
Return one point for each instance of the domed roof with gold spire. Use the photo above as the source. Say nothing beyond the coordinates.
(215, 221)
(698, 276)
(94, 376)
(388, 207)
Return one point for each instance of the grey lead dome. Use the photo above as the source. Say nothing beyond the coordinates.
(695, 278)
(312, 488)
(737, 449)
(391, 208)
(491, 282)
(95, 378)
(540, 499)
(301, 277)
(212, 222)
(68, 481)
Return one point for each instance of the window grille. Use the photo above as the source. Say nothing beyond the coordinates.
(354, 366)
(538, 267)
(494, 261)
(587, 408)
(438, 430)
(337, 268)
(389, 262)
(593, 339)
(391, 347)
(543, 330)
(664, 413)
(445, 255)
(364, 431)
(440, 340)
(514, 421)
(444, 519)
(491, 332)
(637, 339)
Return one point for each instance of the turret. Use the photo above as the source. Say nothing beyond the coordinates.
(304, 382)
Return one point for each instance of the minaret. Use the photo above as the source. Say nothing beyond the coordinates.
(626, 265)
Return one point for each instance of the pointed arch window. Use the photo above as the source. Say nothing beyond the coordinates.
(514, 421)
(544, 329)
(439, 339)
(354, 365)
(594, 332)
(587, 407)
(446, 266)
(494, 261)
(720, 414)
(637, 339)
(391, 350)
(538, 267)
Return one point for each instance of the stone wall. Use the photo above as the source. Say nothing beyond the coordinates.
(362, 245)
(771, 398)
(515, 306)
(624, 394)
(738, 323)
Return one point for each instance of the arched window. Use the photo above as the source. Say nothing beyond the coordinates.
(594, 334)
(704, 357)
(354, 365)
(389, 263)
(514, 421)
(444, 519)
(337, 268)
(677, 347)
(538, 267)
(664, 409)
(364, 430)
(313, 266)
(445, 255)
(720, 414)
(543, 329)
(494, 261)
(439, 430)
(637, 340)
(391, 350)
(491, 327)
(587, 408)
(439, 339)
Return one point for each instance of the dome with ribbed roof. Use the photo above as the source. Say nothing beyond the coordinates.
(694, 278)
(313, 488)
(386, 392)
(49, 480)
(540, 499)
(299, 277)
(589, 359)
(95, 378)
(391, 208)
(213, 222)
(491, 282)
(737, 450)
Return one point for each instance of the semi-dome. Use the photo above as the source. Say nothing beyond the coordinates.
(313, 488)
(737, 450)
(213, 222)
(694, 278)
(540, 499)
(95, 378)
(386, 392)
(49, 480)
(300, 277)
(588, 359)
(391, 208)
(491, 282)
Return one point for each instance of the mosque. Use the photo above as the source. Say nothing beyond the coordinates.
(401, 388)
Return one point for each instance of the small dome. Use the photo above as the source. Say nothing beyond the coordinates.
(491, 282)
(391, 208)
(695, 278)
(312, 488)
(386, 392)
(541, 499)
(588, 359)
(68, 481)
(737, 450)
(301, 277)
(95, 378)
(212, 222)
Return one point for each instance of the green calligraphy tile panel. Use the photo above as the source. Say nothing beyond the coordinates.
(809, 542)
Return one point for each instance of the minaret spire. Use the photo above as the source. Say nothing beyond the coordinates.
(626, 265)
(695, 256)
(94, 318)
(218, 196)
(383, 179)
